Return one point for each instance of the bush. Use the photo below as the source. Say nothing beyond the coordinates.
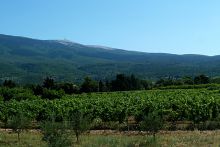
(24, 96)
(152, 123)
(3, 114)
(16, 94)
(6, 93)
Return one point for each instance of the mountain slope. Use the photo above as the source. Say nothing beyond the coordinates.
(30, 60)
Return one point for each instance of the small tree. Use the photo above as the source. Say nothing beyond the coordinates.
(79, 123)
(55, 134)
(18, 123)
(152, 123)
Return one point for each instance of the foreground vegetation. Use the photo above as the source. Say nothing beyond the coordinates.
(63, 113)
(165, 139)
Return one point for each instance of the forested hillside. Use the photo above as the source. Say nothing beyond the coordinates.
(28, 60)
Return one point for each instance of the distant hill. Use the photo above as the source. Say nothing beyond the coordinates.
(30, 60)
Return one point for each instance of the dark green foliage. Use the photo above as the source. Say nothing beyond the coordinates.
(52, 94)
(4, 114)
(108, 86)
(135, 83)
(56, 134)
(25, 96)
(16, 94)
(167, 82)
(9, 84)
(187, 80)
(19, 122)
(6, 93)
(146, 85)
(201, 79)
(215, 80)
(89, 85)
(121, 83)
(38, 90)
(126, 83)
(101, 86)
(49, 83)
(69, 88)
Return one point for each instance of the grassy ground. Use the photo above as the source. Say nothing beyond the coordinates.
(166, 139)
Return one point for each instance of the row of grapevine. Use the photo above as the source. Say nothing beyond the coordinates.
(173, 105)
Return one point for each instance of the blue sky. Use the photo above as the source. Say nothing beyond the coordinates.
(170, 26)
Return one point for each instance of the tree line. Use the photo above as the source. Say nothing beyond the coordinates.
(122, 82)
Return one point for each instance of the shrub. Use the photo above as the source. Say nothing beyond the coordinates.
(6, 93)
(152, 123)
(17, 94)
(3, 114)
(38, 90)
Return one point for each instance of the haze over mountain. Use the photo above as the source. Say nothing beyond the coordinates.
(30, 60)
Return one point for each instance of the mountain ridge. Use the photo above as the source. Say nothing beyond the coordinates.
(28, 60)
(105, 47)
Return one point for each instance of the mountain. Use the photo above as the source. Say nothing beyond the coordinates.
(30, 60)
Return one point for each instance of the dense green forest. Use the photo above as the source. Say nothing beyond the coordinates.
(26, 60)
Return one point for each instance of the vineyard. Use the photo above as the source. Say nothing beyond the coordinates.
(61, 118)
(196, 105)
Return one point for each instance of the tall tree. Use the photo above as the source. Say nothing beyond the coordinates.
(49, 83)
(101, 86)
(89, 85)
(121, 83)
(201, 79)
